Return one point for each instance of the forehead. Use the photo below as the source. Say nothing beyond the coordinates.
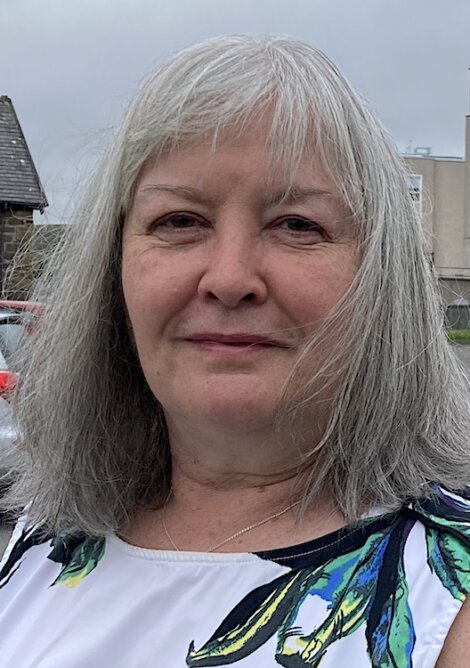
(238, 160)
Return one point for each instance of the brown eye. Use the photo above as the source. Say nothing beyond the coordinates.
(300, 230)
(179, 227)
(300, 225)
(178, 221)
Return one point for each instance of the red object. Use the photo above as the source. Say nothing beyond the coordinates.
(8, 380)
(30, 307)
(34, 310)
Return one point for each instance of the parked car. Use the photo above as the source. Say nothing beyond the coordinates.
(8, 435)
(17, 320)
(22, 306)
(29, 312)
(8, 432)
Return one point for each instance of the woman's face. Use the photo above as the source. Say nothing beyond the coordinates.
(224, 278)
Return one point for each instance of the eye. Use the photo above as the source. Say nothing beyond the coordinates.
(179, 226)
(177, 221)
(300, 229)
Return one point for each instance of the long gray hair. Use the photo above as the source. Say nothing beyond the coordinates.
(94, 441)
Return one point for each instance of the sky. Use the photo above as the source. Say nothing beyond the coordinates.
(72, 67)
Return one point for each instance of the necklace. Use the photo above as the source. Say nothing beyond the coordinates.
(236, 534)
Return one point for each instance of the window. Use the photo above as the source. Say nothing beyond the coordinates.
(415, 188)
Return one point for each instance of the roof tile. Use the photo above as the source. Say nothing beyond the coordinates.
(19, 180)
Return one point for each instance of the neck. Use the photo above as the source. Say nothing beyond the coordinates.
(223, 457)
(199, 516)
(223, 482)
(240, 495)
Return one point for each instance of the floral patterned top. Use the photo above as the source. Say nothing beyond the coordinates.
(382, 594)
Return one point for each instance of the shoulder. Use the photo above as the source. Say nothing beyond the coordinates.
(446, 519)
(456, 650)
(75, 555)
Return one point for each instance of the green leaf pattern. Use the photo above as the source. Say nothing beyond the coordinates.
(80, 561)
(354, 578)
(392, 640)
(364, 586)
(349, 583)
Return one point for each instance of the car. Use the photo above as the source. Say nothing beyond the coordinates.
(29, 313)
(8, 432)
(17, 320)
(13, 327)
(8, 436)
(36, 308)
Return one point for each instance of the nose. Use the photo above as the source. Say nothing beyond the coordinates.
(233, 274)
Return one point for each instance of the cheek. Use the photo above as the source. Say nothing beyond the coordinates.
(152, 289)
(149, 295)
(312, 292)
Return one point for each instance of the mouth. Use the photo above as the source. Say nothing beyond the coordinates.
(237, 340)
(232, 345)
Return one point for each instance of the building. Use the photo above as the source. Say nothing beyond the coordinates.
(440, 188)
(21, 193)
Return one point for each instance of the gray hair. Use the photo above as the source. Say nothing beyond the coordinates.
(94, 441)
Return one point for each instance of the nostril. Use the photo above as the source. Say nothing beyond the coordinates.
(250, 297)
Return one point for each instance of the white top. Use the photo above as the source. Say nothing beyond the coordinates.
(384, 595)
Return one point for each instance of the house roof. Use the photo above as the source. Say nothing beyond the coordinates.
(19, 180)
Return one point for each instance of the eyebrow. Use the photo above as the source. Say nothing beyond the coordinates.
(297, 194)
(284, 196)
(187, 192)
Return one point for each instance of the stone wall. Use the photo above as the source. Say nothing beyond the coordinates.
(44, 241)
(24, 249)
(16, 260)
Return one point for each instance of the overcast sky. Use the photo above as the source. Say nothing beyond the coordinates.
(71, 67)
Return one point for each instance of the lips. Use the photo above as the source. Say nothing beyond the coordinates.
(239, 339)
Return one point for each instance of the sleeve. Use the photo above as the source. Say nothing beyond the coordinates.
(441, 576)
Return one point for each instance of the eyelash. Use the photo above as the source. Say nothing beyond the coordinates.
(314, 227)
(174, 216)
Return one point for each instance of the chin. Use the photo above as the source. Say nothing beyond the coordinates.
(234, 411)
(236, 402)
(239, 414)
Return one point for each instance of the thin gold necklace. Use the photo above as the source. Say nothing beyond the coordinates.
(233, 536)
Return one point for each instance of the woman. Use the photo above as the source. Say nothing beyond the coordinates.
(254, 433)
